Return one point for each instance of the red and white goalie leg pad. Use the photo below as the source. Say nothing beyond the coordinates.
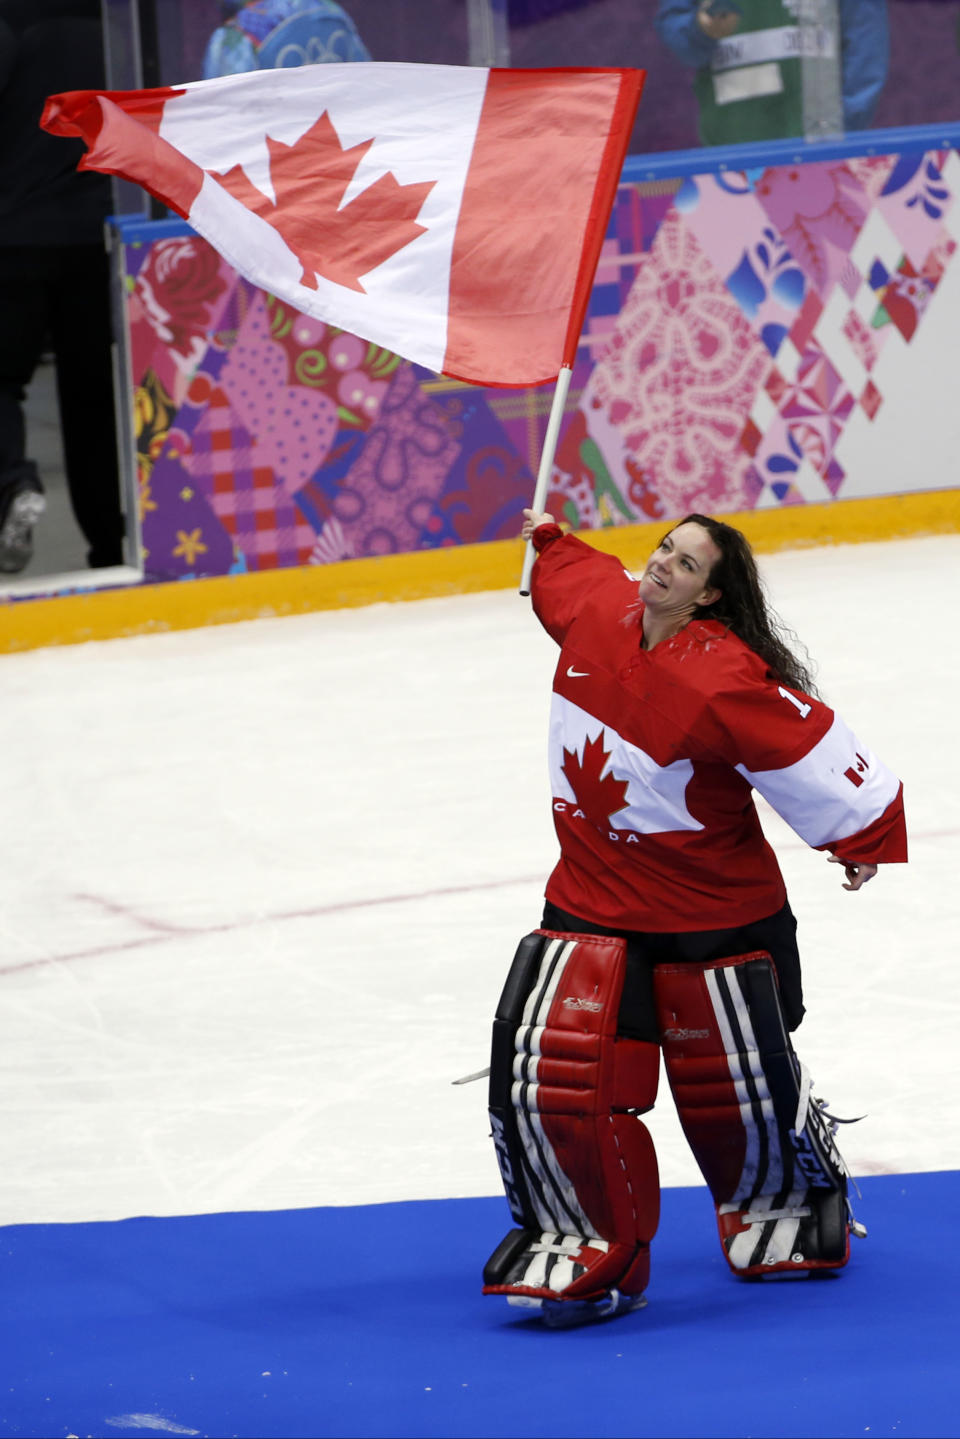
(578, 1165)
(764, 1145)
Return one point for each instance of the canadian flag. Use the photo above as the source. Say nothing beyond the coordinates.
(451, 214)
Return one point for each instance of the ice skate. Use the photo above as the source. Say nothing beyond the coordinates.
(573, 1313)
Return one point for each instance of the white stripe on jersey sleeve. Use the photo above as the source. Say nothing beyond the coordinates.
(836, 790)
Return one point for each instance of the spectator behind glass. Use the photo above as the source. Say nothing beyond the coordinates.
(277, 34)
(773, 69)
(54, 279)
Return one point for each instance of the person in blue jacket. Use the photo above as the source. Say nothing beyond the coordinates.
(775, 69)
(279, 34)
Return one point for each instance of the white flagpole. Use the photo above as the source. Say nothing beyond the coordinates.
(546, 465)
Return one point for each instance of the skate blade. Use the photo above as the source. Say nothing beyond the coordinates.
(574, 1313)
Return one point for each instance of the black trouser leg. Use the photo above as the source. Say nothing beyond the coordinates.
(23, 326)
(82, 337)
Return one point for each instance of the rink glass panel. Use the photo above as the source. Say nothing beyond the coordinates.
(921, 86)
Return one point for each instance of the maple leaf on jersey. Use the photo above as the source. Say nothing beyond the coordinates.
(310, 179)
(598, 798)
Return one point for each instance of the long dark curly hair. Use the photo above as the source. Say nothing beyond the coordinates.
(743, 606)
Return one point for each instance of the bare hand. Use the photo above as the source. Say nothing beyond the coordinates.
(857, 874)
(533, 518)
(717, 27)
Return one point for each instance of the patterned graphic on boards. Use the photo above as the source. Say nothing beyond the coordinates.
(742, 328)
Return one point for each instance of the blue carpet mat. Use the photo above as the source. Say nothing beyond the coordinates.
(369, 1322)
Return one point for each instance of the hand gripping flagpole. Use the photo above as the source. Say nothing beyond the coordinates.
(546, 465)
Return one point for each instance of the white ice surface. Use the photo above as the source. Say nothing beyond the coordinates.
(262, 884)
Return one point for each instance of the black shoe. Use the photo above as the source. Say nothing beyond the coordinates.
(22, 502)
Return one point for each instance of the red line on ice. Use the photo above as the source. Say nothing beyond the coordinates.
(165, 934)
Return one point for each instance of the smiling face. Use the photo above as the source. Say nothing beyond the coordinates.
(677, 577)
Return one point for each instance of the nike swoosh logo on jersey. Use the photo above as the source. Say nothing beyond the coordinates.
(577, 674)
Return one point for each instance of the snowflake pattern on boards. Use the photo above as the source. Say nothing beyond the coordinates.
(862, 339)
(682, 369)
(403, 466)
(819, 211)
(914, 202)
(812, 413)
(871, 172)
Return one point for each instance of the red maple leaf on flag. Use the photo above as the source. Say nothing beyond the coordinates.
(598, 798)
(310, 179)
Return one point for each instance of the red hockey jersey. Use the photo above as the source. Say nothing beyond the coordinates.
(654, 755)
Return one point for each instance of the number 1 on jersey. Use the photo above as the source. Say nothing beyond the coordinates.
(797, 704)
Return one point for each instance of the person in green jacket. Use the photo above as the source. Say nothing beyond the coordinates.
(775, 69)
